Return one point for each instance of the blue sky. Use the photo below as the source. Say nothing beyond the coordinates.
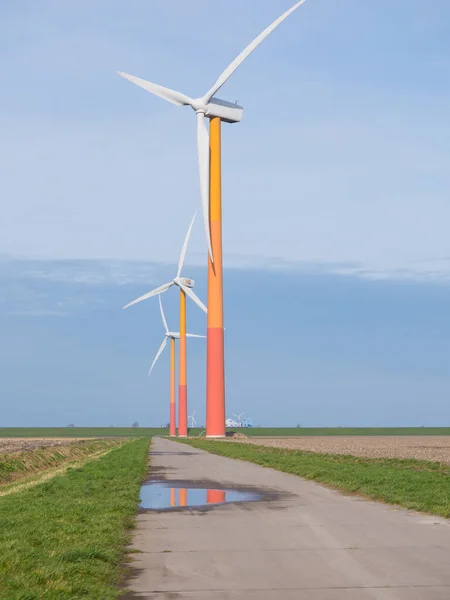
(335, 204)
(316, 349)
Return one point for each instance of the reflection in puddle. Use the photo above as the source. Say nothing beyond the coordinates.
(161, 496)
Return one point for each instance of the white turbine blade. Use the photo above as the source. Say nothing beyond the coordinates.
(245, 53)
(193, 335)
(185, 245)
(163, 316)
(193, 296)
(158, 90)
(203, 166)
(156, 292)
(158, 354)
(193, 414)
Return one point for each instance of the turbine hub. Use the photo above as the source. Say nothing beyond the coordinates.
(199, 105)
(189, 283)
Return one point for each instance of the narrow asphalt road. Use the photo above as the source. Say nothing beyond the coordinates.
(300, 542)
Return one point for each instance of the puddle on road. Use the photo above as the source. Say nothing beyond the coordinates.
(163, 496)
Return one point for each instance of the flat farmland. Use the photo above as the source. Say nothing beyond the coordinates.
(97, 432)
(429, 448)
(8, 445)
(80, 432)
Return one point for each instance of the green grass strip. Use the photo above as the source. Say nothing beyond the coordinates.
(66, 538)
(17, 465)
(418, 485)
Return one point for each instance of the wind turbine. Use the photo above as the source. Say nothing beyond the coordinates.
(193, 421)
(185, 285)
(172, 336)
(239, 418)
(209, 161)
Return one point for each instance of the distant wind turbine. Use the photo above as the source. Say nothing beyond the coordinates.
(185, 285)
(239, 418)
(172, 336)
(192, 417)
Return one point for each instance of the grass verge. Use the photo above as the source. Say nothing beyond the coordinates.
(414, 484)
(66, 538)
(15, 466)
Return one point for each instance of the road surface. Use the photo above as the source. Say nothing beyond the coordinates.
(301, 542)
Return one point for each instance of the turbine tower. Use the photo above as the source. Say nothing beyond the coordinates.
(172, 336)
(209, 161)
(186, 289)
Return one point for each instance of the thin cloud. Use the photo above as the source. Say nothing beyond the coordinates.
(15, 272)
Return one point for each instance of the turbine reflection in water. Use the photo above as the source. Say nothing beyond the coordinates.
(216, 496)
(183, 497)
(160, 496)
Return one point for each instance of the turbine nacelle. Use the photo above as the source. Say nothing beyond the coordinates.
(226, 111)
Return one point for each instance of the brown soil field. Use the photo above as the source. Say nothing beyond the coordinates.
(432, 448)
(21, 444)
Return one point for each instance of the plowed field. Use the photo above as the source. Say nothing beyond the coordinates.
(422, 448)
(21, 444)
